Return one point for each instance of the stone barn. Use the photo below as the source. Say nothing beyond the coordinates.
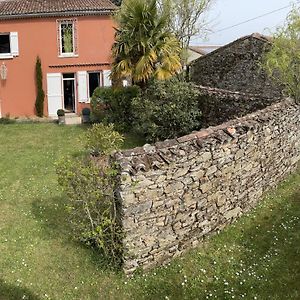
(236, 67)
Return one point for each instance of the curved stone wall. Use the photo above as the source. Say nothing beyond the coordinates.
(176, 192)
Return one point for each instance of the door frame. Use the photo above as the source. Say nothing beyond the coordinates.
(75, 90)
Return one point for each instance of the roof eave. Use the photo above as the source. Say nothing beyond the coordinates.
(58, 14)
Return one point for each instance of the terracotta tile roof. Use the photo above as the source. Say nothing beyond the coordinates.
(10, 9)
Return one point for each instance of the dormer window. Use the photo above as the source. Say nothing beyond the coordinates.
(67, 38)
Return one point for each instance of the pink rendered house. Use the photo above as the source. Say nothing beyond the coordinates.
(73, 39)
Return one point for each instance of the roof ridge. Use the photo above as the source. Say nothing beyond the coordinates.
(253, 35)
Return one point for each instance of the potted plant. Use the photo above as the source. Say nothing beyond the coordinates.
(86, 115)
(61, 116)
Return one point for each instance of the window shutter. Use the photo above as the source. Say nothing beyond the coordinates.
(82, 86)
(54, 93)
(14, 43)
(106, 78)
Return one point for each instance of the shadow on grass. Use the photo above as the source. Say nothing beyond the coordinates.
(52, 216)
(12, 292)
(53, 219)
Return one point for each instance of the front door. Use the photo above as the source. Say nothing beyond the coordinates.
(69, 92)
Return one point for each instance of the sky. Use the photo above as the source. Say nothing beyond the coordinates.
(225, 13)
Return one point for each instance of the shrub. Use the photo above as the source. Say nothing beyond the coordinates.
(86, 111)
(7, 120)
(60, 112)
(91, 206)
(99, 103)
(167, 109)
(114, 105)
(102, 139)
(90, 183)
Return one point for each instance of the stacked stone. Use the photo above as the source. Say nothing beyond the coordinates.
(179, 191)
(219, 105)
(237, 67)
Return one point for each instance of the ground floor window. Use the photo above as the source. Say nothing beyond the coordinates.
(94, 82)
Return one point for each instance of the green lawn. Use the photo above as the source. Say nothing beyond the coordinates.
(257, 258)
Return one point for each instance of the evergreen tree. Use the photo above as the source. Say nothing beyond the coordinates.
(39, 103)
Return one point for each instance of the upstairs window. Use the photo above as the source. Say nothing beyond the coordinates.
(5, 43)
(9, 45)
(67, 37)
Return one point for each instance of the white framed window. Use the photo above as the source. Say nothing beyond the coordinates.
(67, 40)
(9, 45)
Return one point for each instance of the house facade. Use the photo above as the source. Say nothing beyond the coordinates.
(72, 38)
(237, 67)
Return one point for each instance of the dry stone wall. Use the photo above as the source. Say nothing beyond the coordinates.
(236, 67)
(219, 106)
(177, 192)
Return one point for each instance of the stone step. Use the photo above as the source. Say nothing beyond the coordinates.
(73, 120)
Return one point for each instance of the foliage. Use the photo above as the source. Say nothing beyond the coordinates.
(39, 102)
(36, 250)
(144, 46)
(113, 105)
(103, 140)
(60, 112)
(282, 63)
(86, 111)
(167, 109)
(68, 38)
(117, 2)
(187, 18)
(92, 208)
(7, 120)
(99, 103)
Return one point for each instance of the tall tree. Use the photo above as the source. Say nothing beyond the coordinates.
(187, 18)
(144, 46)
(39, 102)
(282, 62)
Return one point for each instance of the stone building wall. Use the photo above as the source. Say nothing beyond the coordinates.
(176, 192)
(236, 67)
(219, 106)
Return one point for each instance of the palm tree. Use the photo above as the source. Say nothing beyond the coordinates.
(144, 47)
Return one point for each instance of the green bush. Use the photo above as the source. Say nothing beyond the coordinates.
(99, 104)
(114, 105)
(90, 184)
(7, 120)
(102, 139)
(167, 109)
(92, 208)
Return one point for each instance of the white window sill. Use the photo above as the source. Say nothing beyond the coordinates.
(68, 55)
(6, 56)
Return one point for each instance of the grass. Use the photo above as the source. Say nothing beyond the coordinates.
(256, 258)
